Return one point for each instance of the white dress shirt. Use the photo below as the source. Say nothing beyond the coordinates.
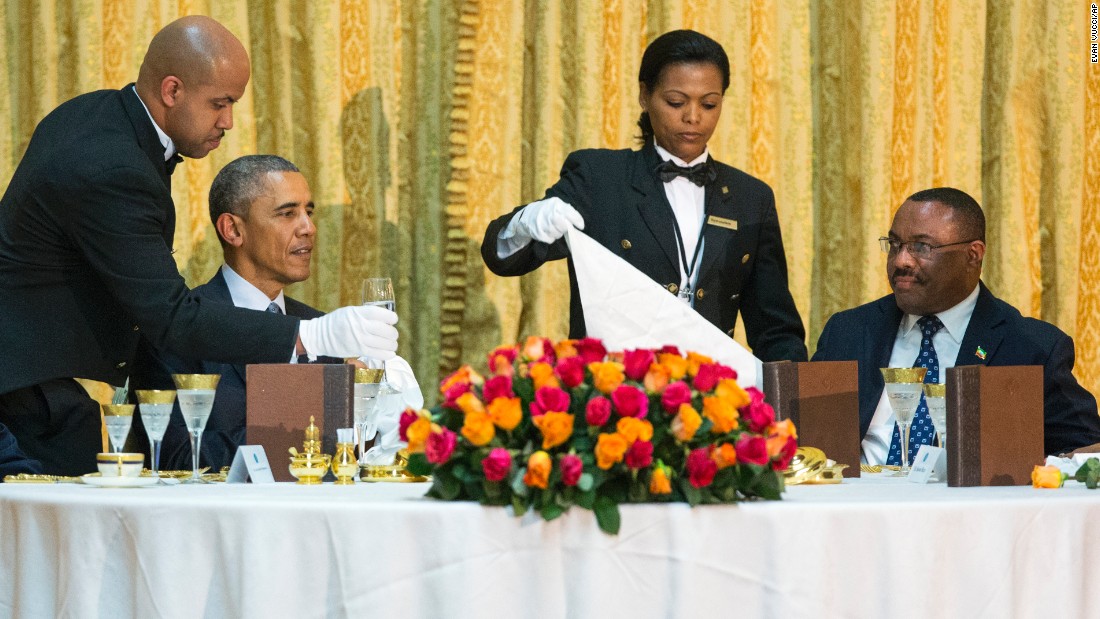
(165, 141)
(247, 296)
(688, 202)
(947, 341)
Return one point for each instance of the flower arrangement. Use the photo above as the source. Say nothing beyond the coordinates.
(557, 425)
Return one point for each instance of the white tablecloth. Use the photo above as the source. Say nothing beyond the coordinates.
(866, 548)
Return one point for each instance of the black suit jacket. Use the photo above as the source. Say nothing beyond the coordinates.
(225, 429)
(866, 334)
(86, 266)
(12, 459)
(625, 209)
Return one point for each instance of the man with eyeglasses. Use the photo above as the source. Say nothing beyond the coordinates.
(941, 315)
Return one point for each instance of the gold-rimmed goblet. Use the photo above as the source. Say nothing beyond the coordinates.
(904, 387)
(156, 410)
(118, 418)
(367, 383)
(195, 393)
(935, 396)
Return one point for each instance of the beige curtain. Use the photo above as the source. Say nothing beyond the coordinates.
(418, 121)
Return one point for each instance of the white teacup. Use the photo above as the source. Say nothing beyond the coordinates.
(120, 464)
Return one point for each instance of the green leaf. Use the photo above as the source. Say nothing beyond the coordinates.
(692, 495)
(585, 482)
(1091, 479)
(586, 499)
(519, 508)
(551, 510)
(449, 486)
(418, 464)
(518, 487)
(607, 515)
(767, 485)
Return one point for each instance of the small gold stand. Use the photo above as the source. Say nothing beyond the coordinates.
(810, 466)
(394, 473)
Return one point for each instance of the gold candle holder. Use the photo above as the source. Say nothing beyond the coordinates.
(904, 375)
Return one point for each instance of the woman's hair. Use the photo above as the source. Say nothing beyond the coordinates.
(678, 47)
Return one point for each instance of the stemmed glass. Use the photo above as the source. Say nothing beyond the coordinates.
(904, 387)
(379, 291)
(935, 396)
(156, 410)
(117, 418)
(367, 383)
(196, 397)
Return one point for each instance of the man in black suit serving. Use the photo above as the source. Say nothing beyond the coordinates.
(86, 229)
(940, 309)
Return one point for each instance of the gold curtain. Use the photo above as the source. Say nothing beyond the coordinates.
(418, 121)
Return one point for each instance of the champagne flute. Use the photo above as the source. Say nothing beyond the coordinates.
(195, 393)
(156, 410)
(904, 387)
(935, 396)
(379, 291)
(117, 418)
(367, 384)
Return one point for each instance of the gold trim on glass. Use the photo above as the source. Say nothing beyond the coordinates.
(196, 381)
(156, 396)
(904, 375)
(369, 375)
(118, 410)
(935, 390)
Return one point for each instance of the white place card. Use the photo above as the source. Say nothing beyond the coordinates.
(250, 463)
(930, 464)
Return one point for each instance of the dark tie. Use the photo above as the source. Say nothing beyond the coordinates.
(700, 173)
(274, 308)
(170, 165)
(921, 432)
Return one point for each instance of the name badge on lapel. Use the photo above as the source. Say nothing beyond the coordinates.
(722, 222)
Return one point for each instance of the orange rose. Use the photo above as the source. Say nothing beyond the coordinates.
(565, 349)
(721, 413)
(506, 413)
(556, 428)
(724, 455)
(1047, 477)
(783, 428)
(675, 364)
(686, 423)
(534, 349)
(634, 429)
(656, 379)
(538, 470)
(478, 428)
(464, 375)
(659, 482)
(543, 375)
(694, 360)
(610, 449)
(607, 375)
(418, 432)
(729, 390)
(469, 403)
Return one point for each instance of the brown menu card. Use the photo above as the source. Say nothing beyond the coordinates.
(822, 399)
(281, 397)
(994, 424)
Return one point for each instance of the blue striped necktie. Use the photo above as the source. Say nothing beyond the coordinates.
(921, 431)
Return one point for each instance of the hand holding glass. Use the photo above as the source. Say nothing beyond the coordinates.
(904, 387)
(156, 410)
(196, 397)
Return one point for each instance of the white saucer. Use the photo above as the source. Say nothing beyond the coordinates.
(95, 479)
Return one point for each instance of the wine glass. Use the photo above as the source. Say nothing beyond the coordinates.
(367, 383)
(935, 396)
(117, 418)
(195, 393)
(379, 291)
(156, 410)
(904, 387)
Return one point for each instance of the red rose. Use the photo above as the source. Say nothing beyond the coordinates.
(637, 363)
(752, 449)
(497, 464)
(497, 387)
(669, 349)
(501, 360)
(571, 469)
(758, 413)
(630, 401)
(590, 349)
(706, 379)
(639, 455)
(439, 446)
(549, 399)
(784, 457)
(701, 469)
(571, 371)
(407, 419)
(598, 411)
(675, 394)
(451, 395)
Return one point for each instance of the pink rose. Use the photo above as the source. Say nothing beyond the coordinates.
(752, 449)
(439, 446)
(675, 394)
(452, 394)
(701, 468)
(639, 455)
(571, 469)
(549, 399)
(598, 411)
(637, 363)
(706, 379)
(758, 413)
(784, 457)
(571, 371)
(501, 360)
(630, 401)
(407, 419)
(497, 387)
(590, 349)
(497, 464)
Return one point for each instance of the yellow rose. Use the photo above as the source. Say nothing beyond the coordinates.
(610, 449)
(607, 375)
(721, 413)
(418, 432)
(694, 360)
(556, 428)
(538, 470)
(478, 428)
(784, 429)
(634, 429)
(656, 379)
(469, 403)
(729, 390)
(542, 374)
(506, 413)
(1047, 477)
(675, 364)
(724, 455)
(686, 423)
(659, 482)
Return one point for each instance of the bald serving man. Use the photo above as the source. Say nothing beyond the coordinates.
(86, 230)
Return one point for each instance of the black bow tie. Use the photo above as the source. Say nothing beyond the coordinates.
(700, 173)
(170, 165)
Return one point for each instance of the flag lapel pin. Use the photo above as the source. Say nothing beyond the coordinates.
(980, 353)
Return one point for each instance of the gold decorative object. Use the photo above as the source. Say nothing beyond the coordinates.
(118, 410)
(369, 375)
(32, 478)
(935, 390)
(196, 381)
(344, 464)
(810, 466)
(904, 375)
(396, 472)
(156, 396)
(311, 465)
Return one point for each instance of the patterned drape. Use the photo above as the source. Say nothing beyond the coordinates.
(418, 121)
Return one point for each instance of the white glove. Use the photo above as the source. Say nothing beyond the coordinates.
(545, 221)
(353, 331)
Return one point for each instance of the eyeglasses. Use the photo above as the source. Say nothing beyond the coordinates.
(916, 249)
